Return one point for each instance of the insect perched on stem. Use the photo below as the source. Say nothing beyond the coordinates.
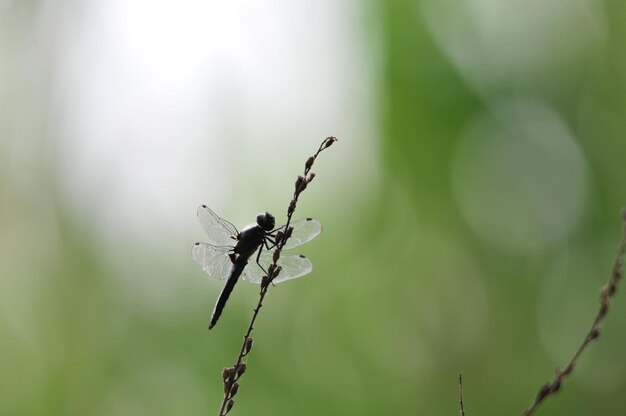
(231, 254)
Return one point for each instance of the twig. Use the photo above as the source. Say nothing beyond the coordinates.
(462, 413)
(232, 374)
(606, 294)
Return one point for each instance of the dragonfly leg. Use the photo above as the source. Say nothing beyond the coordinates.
(277, 229)
(271, 240)
(257, 259)
(268, 248)
(258, 256)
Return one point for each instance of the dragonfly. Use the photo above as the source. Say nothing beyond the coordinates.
(231, 254)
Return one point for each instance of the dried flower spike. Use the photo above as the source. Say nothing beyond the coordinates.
(249, 343)
(309, 163)
(606, 294)
(272, 271)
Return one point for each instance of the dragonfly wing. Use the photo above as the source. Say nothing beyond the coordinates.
(293, 266)
(214, 260)
(220, 231)
(252, 272)
(304, 230)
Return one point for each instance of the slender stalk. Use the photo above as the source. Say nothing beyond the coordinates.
(231, 375)
(606, 294)
(462, 412)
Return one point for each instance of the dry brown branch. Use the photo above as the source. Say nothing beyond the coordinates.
(232, 374)
(606, 294)
(462, 412)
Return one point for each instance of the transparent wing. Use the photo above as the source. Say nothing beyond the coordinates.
(220, 231)
(304, 230)
(213, 259)
(293, 266)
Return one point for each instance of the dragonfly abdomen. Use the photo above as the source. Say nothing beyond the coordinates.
(238, 266)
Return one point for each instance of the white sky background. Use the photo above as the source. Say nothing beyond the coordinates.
(166, 105)
(136, 112)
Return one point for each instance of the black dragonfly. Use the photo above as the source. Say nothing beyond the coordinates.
(229, 253)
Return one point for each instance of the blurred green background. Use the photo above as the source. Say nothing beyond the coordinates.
(470, 208)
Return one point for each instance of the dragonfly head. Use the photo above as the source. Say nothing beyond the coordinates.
(266, 221)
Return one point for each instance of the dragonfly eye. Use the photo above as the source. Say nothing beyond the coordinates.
(266, 221)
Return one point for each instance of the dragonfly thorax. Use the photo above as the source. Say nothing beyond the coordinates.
(249, 241)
